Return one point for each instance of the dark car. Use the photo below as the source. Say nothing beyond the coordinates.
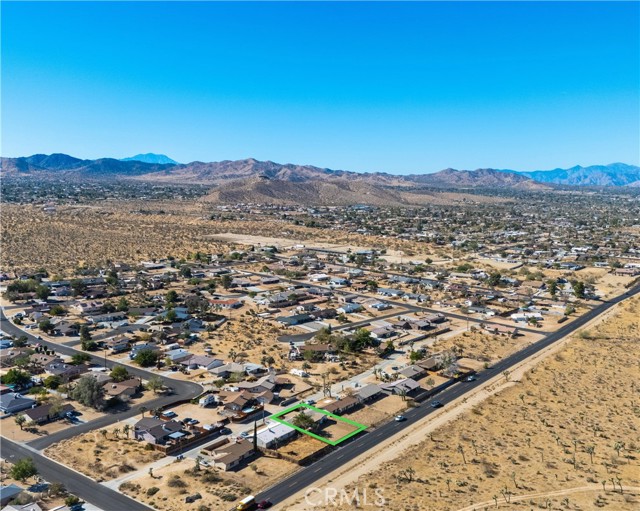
(436, 404)
(225, 431)
(265, 504)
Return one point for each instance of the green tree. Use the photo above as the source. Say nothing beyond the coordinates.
(80, 358)
(171, 297)
(23, 469)
(78, 287)
(71, 500)
(171, 316)
(304, 421)
(123, 304)
(155, 384)
(58, 310)
(52, 382)
(185, 271)
(146, 358)
(46, 326)
(43, 292)
(88, 392)
(21, 342)
(20, 420)
(15, 377)
(226, 280)
(119, 373)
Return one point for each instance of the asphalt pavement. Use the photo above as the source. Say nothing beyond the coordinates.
(360, 444)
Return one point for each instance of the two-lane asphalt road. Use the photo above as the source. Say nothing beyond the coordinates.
(78, 484)
(356, 446)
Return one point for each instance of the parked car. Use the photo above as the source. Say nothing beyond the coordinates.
(436, 404)
(225, 431)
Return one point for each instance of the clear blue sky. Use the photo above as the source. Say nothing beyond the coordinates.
(413, 87)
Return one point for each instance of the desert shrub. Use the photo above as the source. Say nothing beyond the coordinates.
(228, 497)
(152, 491)
(176, 482)
(125, 467)
(210, 477)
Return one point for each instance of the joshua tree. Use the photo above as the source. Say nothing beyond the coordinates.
(507, 375)
(513, 477)
(116, 433)
(590, 450)
(603, 483)
(460, 449)
(495, 499)
(142, 409)
(103, 432)
(618, 446)
(125, 430)
(448, 481)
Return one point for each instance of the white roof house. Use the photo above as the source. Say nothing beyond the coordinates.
(274, 434)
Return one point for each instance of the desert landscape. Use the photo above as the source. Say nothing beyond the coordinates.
(564, 436)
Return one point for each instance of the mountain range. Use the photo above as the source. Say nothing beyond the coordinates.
(251, 180)
(151, 158)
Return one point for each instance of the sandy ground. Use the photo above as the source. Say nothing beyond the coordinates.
(520, 436)
(9, 429)
(103, 456)
(219, 490)
(485, 347)
(33, 489)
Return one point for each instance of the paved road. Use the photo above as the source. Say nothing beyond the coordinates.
(84, 487)
(358, 445)
(182, 390)
(408, 308)
(76, 483)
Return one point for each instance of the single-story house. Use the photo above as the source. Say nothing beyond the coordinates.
(295, 319)
(274, 435)
(156, 431)
(13, 402)
(231, 454)
(42, 414)
(66, 371)
(8, 493)
(348, 308)
(368, 393)
(340, 406)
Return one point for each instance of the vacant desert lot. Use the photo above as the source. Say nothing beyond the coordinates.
(166, 487)
(561, 438)
(103, 454)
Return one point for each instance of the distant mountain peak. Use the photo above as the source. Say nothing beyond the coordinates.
(158, 159)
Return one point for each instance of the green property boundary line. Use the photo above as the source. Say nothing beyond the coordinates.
(359, 427)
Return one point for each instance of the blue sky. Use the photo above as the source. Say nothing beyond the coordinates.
(411, 87)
